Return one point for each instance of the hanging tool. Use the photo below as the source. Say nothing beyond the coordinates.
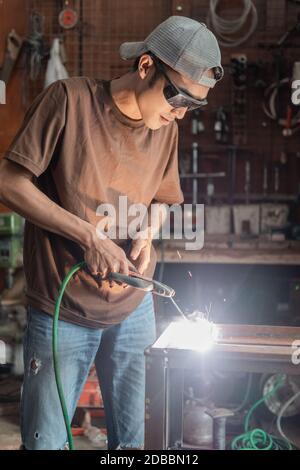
(210, 191)
(13, 48)
(195, 171)
(265, 179)
(35, 46)
(276, 179)
(55, 68)
(197, 125)
(290, 122)
(239, 98)
(292, 30)
(247, 180)
(221, 126)
(232, 155)
(227, 29)
(68, 17)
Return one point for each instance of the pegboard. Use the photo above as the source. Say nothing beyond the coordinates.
(93, 50)
(92, 46)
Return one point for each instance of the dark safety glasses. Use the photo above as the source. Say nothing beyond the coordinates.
(176, 97)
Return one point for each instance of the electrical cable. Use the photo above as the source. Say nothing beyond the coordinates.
(245, 400)
(224, 28)
(258, 439)
(269, 105)
(282, 412)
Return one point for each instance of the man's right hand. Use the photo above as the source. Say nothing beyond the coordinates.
(105, 256)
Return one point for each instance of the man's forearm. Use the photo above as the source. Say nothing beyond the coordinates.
(27, 200)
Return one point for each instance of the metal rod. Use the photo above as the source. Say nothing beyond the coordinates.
(179, 309)
(221, 174)
(195, 171)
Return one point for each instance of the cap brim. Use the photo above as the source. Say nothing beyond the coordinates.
(132, 50)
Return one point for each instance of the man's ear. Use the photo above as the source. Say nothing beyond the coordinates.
(145, 65)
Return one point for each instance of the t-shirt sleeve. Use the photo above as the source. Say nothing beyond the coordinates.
(169, 191)
(35, 142)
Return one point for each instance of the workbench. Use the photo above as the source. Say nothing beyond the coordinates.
(231, 250)
(246, 348)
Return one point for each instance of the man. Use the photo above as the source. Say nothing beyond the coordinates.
(84, 142)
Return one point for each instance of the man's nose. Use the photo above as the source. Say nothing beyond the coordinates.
(179, 112)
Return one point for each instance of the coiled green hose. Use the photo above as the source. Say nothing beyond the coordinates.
(258, 439)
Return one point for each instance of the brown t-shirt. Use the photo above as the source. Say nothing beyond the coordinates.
(83, 152)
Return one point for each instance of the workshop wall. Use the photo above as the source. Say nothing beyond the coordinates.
(11, 114)
(260, 163)
(92, 47)
(259, 141)
(267, 164)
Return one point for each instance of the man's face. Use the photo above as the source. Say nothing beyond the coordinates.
(154, 108)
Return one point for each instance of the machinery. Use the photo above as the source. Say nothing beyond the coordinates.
(173, 423)
(12, 310)
(11, 240)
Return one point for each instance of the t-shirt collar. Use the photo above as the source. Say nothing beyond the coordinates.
(119, 115)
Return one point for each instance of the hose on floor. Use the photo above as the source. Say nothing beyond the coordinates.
(258, 439)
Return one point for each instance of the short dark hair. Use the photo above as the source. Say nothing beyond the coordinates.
(157, 73)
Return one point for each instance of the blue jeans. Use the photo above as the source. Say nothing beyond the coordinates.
(118, 353)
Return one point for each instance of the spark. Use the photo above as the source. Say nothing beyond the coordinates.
(199, 334)
(208, 310)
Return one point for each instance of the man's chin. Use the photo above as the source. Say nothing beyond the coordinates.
(155, 126)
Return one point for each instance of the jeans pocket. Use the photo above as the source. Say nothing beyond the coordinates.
(39, 325)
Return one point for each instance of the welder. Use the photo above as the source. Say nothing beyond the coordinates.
(86, 142)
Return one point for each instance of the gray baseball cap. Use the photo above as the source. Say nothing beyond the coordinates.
(184, 44)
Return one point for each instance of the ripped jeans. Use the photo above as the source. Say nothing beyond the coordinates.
(118, 353)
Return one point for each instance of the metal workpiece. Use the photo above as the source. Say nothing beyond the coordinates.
(164, 392)
(219, 416)
(155, 402)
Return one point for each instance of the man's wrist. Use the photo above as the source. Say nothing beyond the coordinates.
(88, 236)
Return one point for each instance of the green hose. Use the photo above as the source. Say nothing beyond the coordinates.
(258, 439)
(62, 289)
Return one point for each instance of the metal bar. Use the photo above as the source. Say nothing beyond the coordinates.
(175, 389)
(155, 402)
(195, 171)
(232, 173)
(221, 174)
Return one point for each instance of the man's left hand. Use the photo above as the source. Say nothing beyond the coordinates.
(141, 249)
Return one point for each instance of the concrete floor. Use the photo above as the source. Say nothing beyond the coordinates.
(10, 438)
(10, 432)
